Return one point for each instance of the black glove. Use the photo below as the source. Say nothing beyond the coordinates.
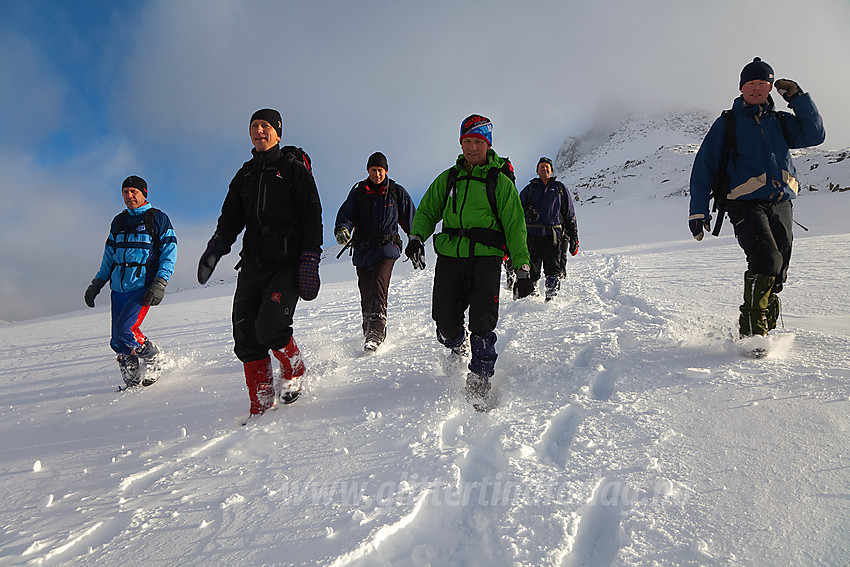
(416, 252)
(215, 250)
(92, 291)
(342, 235)
(523, 287)
(574, 246)
(788, 89)
(531, 213)
(697, 226)
(155, 293)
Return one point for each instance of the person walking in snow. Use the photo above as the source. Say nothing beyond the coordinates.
(756, 139)
(479, 220)
(274, 199)
(138, 261)
(368, 220)
(550, 219)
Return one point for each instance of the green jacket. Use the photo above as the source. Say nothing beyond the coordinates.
(469, 208)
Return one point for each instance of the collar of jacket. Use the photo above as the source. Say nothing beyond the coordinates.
(140, 210)
(372, 189)
(755, 110)
(265, 160)
(491, 160)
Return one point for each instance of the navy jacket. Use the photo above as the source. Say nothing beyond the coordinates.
(762, 168)
(548, 206)
(374, 217)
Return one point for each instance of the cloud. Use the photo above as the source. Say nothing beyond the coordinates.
(171, 100)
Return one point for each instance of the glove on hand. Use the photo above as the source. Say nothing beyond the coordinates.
(523, 287)
(342, 235)
(92, 291)
(416, 252)
(531, 214)
(788, 89)
(215, 250)
(308, 275)
(573, 246)
(155, 293)
(697, 226)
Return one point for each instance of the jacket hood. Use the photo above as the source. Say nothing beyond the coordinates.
(493, 160)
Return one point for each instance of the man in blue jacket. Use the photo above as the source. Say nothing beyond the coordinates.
(369, 220)
(762, 182)
(138, 261)
(550, 219)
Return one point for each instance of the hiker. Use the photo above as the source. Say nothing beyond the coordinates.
(753, 142)
(138, 261)
(273, 197)
(550, 219)
(368, 221)
(480, 222)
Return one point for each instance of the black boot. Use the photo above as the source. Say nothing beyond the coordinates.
(756, 307)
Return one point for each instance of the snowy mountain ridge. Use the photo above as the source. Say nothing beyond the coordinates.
(656, 150)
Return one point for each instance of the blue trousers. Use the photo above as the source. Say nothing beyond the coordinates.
(127, 316)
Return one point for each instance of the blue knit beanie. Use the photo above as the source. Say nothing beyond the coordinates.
(758, 70)
(477, 126)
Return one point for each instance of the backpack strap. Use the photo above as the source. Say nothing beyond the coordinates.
(720, 185)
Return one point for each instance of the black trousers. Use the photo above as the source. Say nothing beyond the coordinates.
(461, 283)
(374, 284)
(763, 230)
(263, 307)
(545, 253)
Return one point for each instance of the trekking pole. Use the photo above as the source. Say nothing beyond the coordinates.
(348, 244)
(801, 226)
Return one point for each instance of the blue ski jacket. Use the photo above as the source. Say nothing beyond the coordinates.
(761, 167)
(374, 215)
(130, 261)
(548, 208)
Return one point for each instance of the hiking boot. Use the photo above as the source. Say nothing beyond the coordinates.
(129, 366)
(260, 382)
(553, 285)
(149, 355)
(371, 345)
(478, 391)
(291, 371)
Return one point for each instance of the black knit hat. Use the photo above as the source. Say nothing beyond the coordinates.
(377, 160)
(136, 182)
(271, 116)
(757, 70)
(544, 160)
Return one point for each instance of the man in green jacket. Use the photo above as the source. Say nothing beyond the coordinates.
(477, 228)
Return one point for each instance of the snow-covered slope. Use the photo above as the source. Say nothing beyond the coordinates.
(650, 156)
(630, 432)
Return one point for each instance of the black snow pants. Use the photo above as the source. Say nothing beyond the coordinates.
(263, 307)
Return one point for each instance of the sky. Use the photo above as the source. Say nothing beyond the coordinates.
(96, 91)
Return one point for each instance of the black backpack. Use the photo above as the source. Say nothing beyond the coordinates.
(296, 154)
(486, 236)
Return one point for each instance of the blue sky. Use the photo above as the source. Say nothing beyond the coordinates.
(95, 91)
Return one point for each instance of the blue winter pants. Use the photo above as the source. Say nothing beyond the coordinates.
(127, 316)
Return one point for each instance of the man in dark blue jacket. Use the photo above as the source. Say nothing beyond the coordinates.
(138, 261)
(369, 220)
(762, 182)
(550, 219)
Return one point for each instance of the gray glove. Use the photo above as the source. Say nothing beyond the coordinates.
(788, 89)
(92, 291)
(342, 235)
(155, 293)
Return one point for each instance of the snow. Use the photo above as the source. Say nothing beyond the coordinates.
(630, 432)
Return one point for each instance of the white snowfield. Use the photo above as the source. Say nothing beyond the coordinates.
(631, 430)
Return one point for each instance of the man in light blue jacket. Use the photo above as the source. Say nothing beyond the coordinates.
(138, 261)
(759, 181)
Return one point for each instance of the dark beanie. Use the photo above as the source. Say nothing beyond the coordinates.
(138, 183)
(271, 116)
(377, 160)
(758, 70)
(544, 160)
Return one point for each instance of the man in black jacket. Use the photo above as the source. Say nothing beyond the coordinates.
(273, 197)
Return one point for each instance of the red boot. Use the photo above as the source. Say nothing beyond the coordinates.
(260, 382)
(291, 371)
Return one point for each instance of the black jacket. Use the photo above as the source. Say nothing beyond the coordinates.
(275, 199)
